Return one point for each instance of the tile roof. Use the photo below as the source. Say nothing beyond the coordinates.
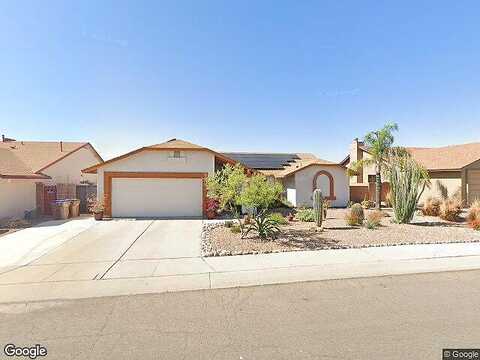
(175, 144)
(453, 157)
(172, 144)
(12, 166)
(29, 158)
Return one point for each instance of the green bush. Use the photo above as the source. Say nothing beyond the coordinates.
(235, 229)
(306, 215)
(278, 218)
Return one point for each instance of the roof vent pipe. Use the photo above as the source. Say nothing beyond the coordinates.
(61, 146)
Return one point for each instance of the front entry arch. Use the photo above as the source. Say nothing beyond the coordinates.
(331, 182)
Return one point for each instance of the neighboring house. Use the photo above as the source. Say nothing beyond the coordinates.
(24, 164)
(300, 174)
(167, 179)
(456, 166)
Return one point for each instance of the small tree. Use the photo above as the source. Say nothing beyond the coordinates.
(259, 194)
(408, 180)
(226, 186)
(379, 143)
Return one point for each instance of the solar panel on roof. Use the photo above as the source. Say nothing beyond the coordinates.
(264, 161)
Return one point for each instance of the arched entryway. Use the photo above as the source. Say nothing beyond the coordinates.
(328, 188)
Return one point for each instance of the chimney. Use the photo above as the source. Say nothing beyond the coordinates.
(6, 139)
(61, 146)
(356, 154)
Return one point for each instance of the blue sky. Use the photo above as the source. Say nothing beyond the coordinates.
(286, 76)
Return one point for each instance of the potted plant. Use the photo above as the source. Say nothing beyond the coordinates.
(96, 207)
(211, 208)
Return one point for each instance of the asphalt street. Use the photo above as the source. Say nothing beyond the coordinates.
(396, 317)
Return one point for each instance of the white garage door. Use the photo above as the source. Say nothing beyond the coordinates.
(156, 197)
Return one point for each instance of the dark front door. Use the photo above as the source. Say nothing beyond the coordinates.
(83, 193)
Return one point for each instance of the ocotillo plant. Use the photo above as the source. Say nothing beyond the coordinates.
(318, 204)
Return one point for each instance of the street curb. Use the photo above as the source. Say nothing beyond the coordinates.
(68, 290)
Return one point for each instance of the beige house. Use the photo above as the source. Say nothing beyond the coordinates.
(301, 174)
(26, 164)
(167, 179)
(457, 167)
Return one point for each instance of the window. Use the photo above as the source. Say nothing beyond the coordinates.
(177, 155)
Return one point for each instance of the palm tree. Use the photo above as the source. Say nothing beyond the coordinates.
(379, 143)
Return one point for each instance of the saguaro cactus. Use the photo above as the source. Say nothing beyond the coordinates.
(318, 204)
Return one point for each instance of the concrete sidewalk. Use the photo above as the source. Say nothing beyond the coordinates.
(168, 275)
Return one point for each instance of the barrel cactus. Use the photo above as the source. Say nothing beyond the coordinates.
(357, 212)
(318, 207)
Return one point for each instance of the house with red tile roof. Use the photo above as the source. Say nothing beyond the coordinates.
(23, 164)
(457, 167)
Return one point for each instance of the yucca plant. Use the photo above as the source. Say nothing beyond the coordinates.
(264, 225)
(408, 180)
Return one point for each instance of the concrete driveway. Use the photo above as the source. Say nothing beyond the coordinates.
(124, 248)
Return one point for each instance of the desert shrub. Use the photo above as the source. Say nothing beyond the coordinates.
(306, 215)
(358, 212)
(355, 215)
(475, 224)
(235, 229)
(431, 206)
(474, 212)
(228, 223)
(366, 204)
(450, 209)
(373, 219)
(259, 194)
(278, 218)
(264, 226)
(281, 204)
(226, 186)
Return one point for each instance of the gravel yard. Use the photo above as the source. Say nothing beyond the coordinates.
(218, 240)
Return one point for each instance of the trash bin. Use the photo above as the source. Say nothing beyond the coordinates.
(61, 209)
(74, 207)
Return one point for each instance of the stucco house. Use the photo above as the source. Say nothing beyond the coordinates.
(167, 179)
(24, 165)
(300, 174)
(456, 166)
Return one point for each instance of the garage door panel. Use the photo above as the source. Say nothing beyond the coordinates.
(156, 197)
